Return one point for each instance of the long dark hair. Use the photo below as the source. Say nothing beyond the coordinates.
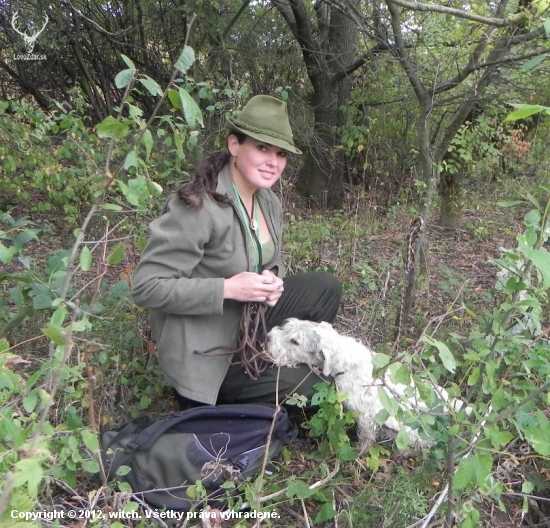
(248, 350)
(205, 180)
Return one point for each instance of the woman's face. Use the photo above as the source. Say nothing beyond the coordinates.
(258, 165)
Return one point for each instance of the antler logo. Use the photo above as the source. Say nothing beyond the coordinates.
(29, 40)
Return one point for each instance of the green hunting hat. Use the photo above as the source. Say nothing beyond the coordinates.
(265, 119)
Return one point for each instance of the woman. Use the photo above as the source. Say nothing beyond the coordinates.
(213, 263)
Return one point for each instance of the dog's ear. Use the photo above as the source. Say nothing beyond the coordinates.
(316, 350)
(314, 343)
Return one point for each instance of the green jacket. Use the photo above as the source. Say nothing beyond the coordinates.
(180, 279)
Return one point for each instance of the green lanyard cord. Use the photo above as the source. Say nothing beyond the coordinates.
(251, 225)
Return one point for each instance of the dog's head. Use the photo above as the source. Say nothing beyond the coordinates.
(297, 341)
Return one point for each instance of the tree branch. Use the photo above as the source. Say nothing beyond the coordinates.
(401, 49)
(490, 21)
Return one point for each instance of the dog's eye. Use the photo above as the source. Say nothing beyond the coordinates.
(294, 342)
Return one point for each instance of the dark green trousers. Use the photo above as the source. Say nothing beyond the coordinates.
(311, 296)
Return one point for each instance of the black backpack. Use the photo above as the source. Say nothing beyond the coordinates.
(214, 444)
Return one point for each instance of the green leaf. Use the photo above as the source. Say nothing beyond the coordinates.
(131, 159)
(185, 60)
(42, 301)
(125, 487)
(90, 441)
(122, 471)
(299, 489)
(90, 466)
(498, 438)
(465, 473)
(7, 254)
(533, 63)
(134, 111)
(117, 254)
(380, 360)
(111, 207)
(59, 316)
(29, 401)
(154, 188)
(541, 259)
(141, 242)
(524, 111)
(136, 191)
(402, 375)
(445, 354)
(128, 61)
(55, 334)
(326, 513)
(147, 140)
(111, 128)
(474, 376)
(527, 487)
(29, 471)
(510, 203)
(402, 440)
(191, 110)
(124, 78)
(151, 85)
(175, 99)
(347, 453)
(85, 259)
(542, 6)
(131, 506)
(539, 437)
(389, 404)
(144, 401)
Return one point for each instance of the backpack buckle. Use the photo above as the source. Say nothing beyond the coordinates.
(242, 462)
(131, 447)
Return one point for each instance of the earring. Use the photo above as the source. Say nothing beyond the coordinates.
(234, 161)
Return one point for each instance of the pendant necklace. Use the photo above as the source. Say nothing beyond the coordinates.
(253, 221)
(253, 216)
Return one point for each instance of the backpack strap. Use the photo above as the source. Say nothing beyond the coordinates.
(148, 436)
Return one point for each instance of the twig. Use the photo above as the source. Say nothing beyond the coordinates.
(315, 485)
(306, 516)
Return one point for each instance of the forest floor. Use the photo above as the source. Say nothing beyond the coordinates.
(365, 250)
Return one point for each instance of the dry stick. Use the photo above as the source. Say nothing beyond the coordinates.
(260, 480)
(413, 235)
(277, 494)
(451, 453)
(314, 486)
(306, 516)
(87, 347)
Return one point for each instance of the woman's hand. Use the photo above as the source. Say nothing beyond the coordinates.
(253, 287)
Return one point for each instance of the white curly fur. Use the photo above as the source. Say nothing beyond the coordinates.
(349, 363)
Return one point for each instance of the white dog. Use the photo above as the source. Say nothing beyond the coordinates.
(349, 363)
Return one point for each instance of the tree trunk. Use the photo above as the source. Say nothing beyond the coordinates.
(329, 49)
(450, 193)
(322, 173)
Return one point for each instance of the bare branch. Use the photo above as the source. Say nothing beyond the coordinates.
(490, 21)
